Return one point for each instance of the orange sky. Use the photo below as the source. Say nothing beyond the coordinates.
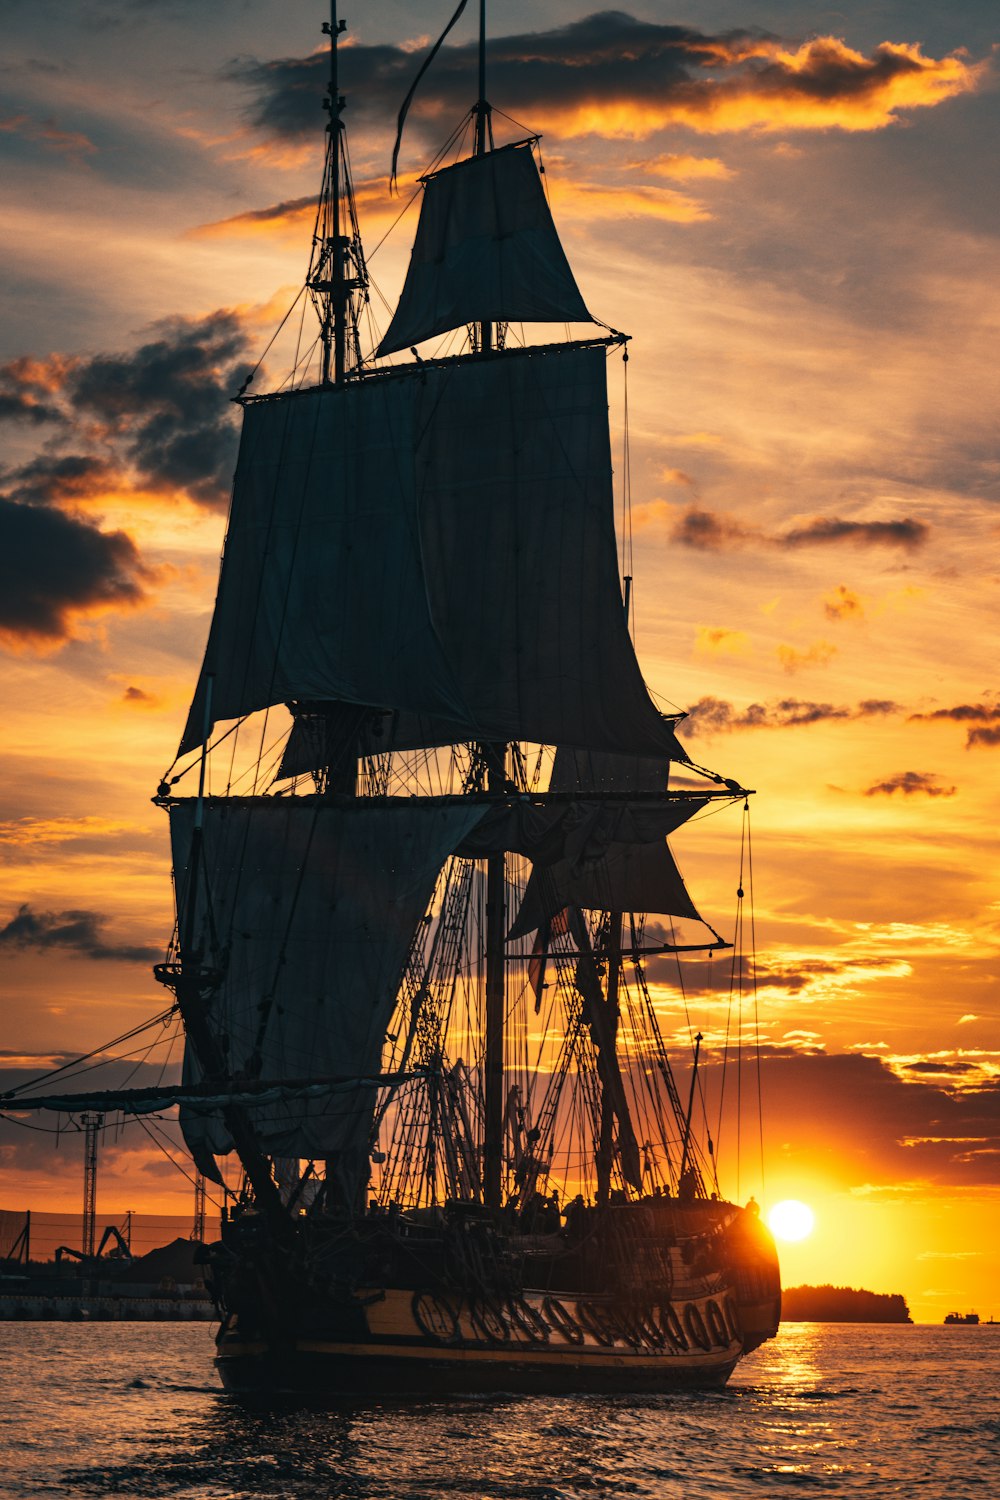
(787, 209)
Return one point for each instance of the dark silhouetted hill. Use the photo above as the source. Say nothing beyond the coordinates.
(842, 1304)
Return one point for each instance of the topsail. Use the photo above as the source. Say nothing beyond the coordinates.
(486, 249)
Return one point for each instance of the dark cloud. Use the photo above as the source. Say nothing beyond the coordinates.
(613, 73)
(169, 402)
(857, 1116)
(831, 531)
(160, 416)
(55, 567)
(26, 388)
(716, 716)
(76, 931)
(598, 58)
(713, 974)
(708, 531)
(941, 1067)
(54, 480)
(983, 720)
(15, 405)
(910, 783)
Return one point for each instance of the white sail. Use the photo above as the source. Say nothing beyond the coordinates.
(308, 911)
(486, 249)
(442, 542)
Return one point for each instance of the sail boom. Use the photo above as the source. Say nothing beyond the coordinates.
(206, 1095)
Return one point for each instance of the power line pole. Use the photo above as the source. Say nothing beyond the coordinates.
(92, 1126)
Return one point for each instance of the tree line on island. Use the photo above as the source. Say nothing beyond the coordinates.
(842, 1304)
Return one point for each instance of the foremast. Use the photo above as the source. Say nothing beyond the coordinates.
(337, 278)
(337, 281)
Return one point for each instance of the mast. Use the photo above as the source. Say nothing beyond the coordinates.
(496, 923)
(483, 138)
(334, 311)
(495, 757)
(337, 268)
(606, 1144)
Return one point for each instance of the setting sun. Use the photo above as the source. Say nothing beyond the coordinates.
(791, 1220)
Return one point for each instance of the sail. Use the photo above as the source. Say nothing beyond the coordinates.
(439, 541)
(308, 911)
(486, 250)
(626, 877)
(317, 737)
(597, 771)
(631, 868)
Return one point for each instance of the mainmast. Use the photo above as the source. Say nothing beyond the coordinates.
(495, 759)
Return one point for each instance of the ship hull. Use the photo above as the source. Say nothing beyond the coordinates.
(423, 1342)
(314, 1370)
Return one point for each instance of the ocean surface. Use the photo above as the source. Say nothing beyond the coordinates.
(133, 1410)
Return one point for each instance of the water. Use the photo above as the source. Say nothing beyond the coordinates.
(132, 1410)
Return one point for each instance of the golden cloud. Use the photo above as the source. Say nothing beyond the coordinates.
(682, 168)
(821, 85)
(595, 201)
(819, 654)
(844, 604)
(719, 640)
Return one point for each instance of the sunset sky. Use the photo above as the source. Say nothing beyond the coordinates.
(793, 210)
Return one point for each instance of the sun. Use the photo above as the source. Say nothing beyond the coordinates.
(791, 1220)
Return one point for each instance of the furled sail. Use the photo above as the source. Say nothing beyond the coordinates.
(632, 869)
(439, 541)
(486, 250)
(308, 911)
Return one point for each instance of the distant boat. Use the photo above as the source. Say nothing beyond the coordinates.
(970, 1317)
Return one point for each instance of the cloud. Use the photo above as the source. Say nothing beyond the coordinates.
(910, 783)
(708, 531)
(716, 716)
(159, 416)
(819, 654)
(878, 1126)
(681, 168)
(286, 217)
(168, 403)
(906, 533)
(62, 481)
(843, 604)
(76, 931)
(72, 144)
(57, 569)
(613, 75)
(26, 386)
(29, 832)
(718, 640)
(983, 719)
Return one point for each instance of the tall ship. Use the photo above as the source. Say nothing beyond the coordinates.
(414, 931)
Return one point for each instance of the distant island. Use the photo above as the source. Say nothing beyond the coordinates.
(842, 1304)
